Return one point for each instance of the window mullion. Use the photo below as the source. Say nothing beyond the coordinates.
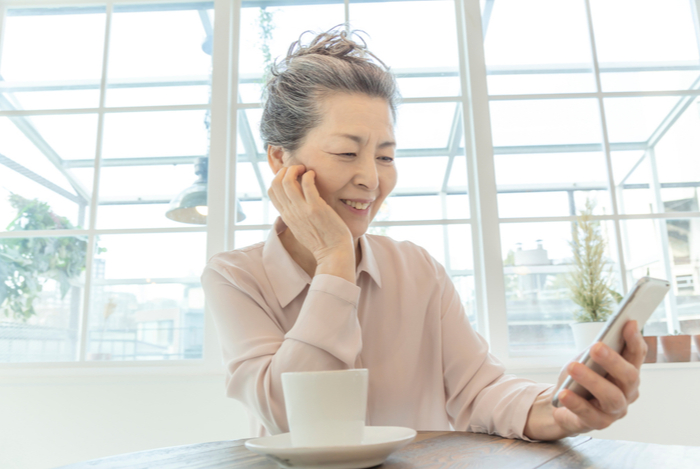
(606, 147)
(695, 9)
(83, 334)
(223, 86)
(672, 322)
(488, 265)
(3, 11)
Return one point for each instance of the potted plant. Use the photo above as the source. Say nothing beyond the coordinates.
(676, 347)
(590, 279)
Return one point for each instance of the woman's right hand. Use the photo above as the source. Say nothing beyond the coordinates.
(312, 221)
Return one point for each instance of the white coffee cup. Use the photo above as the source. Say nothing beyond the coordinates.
(326, 408)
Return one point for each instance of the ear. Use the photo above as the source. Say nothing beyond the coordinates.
(275, 157)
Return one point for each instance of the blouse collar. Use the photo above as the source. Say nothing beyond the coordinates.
(288, 279)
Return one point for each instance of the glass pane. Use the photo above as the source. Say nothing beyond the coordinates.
(32, 166)
(157, 134)
(651, 80)
(40, 312)
(539, 46)
(147, 304)
(61, 71)
(678, 163)
(267, 32)
(545, 122)
(160, 54)
(428, 86)
(148, 159)
(684, 250)
(636, 119)
(537, 258)
(551, 184)
(467, 293)
(633, 182)
(253, 173)
(146, 322)
(426, 159)
(645, 46)
(249, 139)
(70, 137)
(426, 64)
(144, 200)
(435, 46)
(437, 117)
(645, 255)
(642, 246)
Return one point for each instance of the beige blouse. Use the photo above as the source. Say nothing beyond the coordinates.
(403, 320)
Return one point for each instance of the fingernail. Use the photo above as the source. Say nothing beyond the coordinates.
(602, 350)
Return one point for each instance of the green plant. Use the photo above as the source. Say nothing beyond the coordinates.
(266, 25)
(26, 263)
(591, 278)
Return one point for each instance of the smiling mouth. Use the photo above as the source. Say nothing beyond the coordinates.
(356, 205)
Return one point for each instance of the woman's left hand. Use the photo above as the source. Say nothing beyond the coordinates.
(611, 395)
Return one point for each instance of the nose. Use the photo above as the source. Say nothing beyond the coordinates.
(367, 175)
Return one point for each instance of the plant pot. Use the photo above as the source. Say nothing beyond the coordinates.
(585, 333)
(651, 341)
(676, 347)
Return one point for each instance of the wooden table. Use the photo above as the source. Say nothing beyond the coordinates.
(452, 450)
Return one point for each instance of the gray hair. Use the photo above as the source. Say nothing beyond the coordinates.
(330, 63)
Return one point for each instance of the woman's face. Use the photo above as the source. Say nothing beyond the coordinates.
(352, 154)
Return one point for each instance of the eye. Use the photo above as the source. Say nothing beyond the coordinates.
(388, 159)
(346, 154)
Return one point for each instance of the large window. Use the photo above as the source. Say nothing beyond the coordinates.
(594, 100)
(112, 115)
(103, 113)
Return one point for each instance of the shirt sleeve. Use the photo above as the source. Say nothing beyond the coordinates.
(480, 397)
(256, 350)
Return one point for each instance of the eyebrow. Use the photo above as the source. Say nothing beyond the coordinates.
(358, 139)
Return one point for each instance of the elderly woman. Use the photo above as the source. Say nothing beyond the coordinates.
(321, 294)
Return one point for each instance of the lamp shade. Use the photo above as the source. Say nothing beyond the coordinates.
(190, 205)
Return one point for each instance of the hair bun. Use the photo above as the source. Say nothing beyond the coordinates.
(336, 42)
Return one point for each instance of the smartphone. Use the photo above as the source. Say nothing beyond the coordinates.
(639, 304)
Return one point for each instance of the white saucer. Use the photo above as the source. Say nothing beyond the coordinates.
(378, 443)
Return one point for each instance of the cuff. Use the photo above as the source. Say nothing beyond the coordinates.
(328, 318)
(336, 286)
(528, 399)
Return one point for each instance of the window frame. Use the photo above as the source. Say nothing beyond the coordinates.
(484, 223)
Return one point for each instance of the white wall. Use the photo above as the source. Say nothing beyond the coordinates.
(54, 421)
(667, 410)
(51, 421)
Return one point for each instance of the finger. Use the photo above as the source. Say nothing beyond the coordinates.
(611, 398)
(308, 185)
(291, 186)
(635, 350)
(276, 192)
(589, 416)
(619, 368)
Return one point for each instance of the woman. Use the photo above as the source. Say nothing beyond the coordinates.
(321, 294)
